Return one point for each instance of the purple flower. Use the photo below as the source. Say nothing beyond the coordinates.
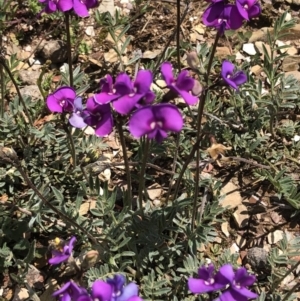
(239, 280)
(183, 85)
(155, 121)
(114, 290)
(231, 78)
(139, 92)
(207, 281)
(222, 16)
(98, 116)
(64, 253)
(71, 291)
(62, 100)
(76, 118)
(110, 91)
(54, 5)
(81, 7)
(248, 8)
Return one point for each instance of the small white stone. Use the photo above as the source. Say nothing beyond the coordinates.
(234, 248)
(288, 17)
(249, 48)
(28, 48)
(90, 31)
(275, 236)
(224, 228)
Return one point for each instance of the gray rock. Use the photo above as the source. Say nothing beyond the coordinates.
(29, 77)
(32, 91)
(258, 259)
(56, 51)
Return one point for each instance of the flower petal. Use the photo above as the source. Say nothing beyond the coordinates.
(65, 5)
(169, 115)
(58, 259)
(184, 82)
(102, 290)
(243, 292)
(230, 295)
(143, 81)
(139, 123)
(243, 278)
(129, 291)
(105, 125)
(239, 78)
(212, 14)
(198, 286)
(53, 104)
(80, 8)
(225, 275)
(123, 84)
(254, 11)
(167, 73)
(77, 121)
(126, 104)
(188, 98)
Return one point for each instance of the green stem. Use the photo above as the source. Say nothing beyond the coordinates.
(200, 114)
(71, 141)
(289, 271)
(3, 63)
(9, 156)
(162, 55)
(126, 162)
(142, 173)
(199, 135)
(178, 35)
(69, 47)
(2, 84)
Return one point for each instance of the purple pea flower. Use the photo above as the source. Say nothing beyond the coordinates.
(207, 281)
(231, 78)
(114, 290)
(98, 116)
(81, 7)
(71, 291)
(222, 16)
(64, 253)
(76, 118)
(139, 92)
(155, 121)
(248, 8)
(62, 100)
(110, 91)
(182, 86)
(237, 291)
(54, 5)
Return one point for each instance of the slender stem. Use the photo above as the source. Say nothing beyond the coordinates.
(127, 168)
(170, 40)
(199, 135)
(173, 167)
(142, 173)
(293, 289)
(3, 63)
(178, 35)
(71, 141)
(2, 91)
(69, 47)
(9, 156)
(2, 84)
(289, 271)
